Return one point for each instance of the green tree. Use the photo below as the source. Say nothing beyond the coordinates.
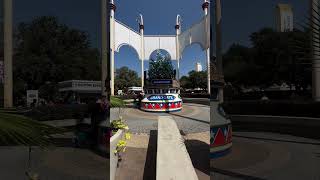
(274, 57)
(239, 66)
(161, 67)
(47, 50)
(198, 79)
(125, 77)
(185, 82)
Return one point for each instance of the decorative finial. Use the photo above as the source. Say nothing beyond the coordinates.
(178, 22)
(112, 5)
(205, 5)
(140, 21)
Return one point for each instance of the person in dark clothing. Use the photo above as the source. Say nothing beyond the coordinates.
(98, 114)
(140, 97)
(33, 104)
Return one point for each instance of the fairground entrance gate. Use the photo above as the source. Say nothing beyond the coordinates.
(144, 45)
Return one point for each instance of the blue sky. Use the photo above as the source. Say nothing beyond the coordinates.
(240, 19)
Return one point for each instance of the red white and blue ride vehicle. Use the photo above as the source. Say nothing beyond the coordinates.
(220, 126)
(161, 96)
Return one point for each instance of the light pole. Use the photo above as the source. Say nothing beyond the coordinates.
(105, 47)
(219, 67)
(178, 31)
(112, 39)
(141, 28)
(8, 101)
(205, 7)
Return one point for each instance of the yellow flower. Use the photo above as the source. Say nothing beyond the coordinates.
(127, 136)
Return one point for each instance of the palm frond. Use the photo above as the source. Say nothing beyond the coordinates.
(20, 130)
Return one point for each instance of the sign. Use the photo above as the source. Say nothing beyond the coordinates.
(31, 95)
(162, 81)
(160, 97)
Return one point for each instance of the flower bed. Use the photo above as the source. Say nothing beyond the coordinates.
(118, 142)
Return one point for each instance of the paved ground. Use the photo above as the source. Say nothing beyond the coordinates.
(269, 156)
(62, 163)
(193, 118)
(139, 160)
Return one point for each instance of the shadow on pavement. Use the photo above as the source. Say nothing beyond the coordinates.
(151, 158)
(300, 130)
(199, 154)
(139, 163)
(234, 174)
(278, 140)
(194, 119)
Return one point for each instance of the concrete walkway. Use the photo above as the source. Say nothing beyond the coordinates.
(61, 163)
(193, 118)
(139, 160)
(269, 156)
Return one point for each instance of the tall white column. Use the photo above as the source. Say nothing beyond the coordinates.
(205, 7)
(8, 97)
(104, 46)
(178, 31)
(112, 39)
(141, 27)
(314, 8)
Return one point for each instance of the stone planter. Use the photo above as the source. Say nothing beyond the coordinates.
(113, 157)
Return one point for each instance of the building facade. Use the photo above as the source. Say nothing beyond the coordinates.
(198, 67)
(284, 18)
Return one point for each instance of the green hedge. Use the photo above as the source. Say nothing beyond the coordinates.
(58, 112)
(194, 95)
(66, 111)
(274, 108)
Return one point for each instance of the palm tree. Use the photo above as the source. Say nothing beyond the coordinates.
(20, 130)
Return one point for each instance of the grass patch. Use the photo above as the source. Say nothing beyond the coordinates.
(117, 102)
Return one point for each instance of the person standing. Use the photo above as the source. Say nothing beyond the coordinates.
(98, 114)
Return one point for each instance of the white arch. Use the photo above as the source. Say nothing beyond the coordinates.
(196, 34)
(125, 44)
(121, 35)
(126, 35)
(167, 43)
(193, 43)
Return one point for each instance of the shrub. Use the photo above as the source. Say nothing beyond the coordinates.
(58, 112)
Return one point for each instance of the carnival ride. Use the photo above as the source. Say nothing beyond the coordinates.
(161, 95)
(220, 125)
